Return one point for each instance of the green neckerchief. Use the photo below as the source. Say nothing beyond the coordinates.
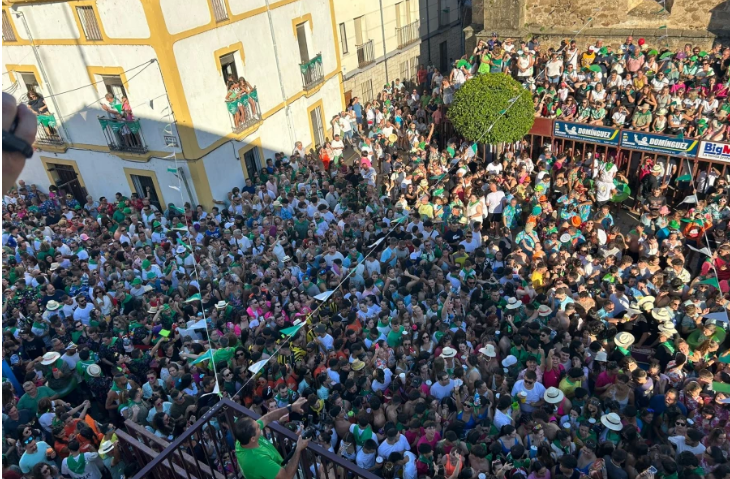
(565, 449)
(426, 460)
(624, 351)
(613, 436)
(77, 464)
(669, 346)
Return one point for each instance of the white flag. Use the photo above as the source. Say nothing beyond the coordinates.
(256, 367)
(691, 199)
(704, 250)
(323, 296)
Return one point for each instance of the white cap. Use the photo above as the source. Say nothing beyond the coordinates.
(379, 459)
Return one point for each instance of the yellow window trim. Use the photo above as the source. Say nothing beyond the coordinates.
(128, 172)
(250, 146)
(47, 161)
(236, 47)
(306, 18)
(106, 71)
(13, 69)
(310, 109)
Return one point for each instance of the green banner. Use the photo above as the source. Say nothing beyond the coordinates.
(104, 123)
(255, 95)
(133, 126)
(47, 120)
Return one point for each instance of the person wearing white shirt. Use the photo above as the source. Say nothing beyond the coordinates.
(394, 442)
(338, 146)
(533, 390)
(366, 455)
(443, 387)
(83, 311)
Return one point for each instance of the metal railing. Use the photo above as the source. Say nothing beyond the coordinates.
(214, 432)
(123, 135)
(365, 55)
(48, 131)
(407, 34)
(312, 72)
(245, 111)
(219, 10)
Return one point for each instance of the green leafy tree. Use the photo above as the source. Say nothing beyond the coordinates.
(496, 101)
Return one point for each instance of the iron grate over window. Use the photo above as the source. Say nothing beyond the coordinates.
(8, 33)
(89, 23)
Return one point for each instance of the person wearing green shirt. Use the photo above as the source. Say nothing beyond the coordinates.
(257, 457)
(33, 395)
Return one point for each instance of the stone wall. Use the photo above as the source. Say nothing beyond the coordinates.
(698, 22)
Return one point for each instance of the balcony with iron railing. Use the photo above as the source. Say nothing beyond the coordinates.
(123, 135)
(408, 34)
(48, 134)
(365, 54)
(244, 111)
(213, 434)
(312, 72)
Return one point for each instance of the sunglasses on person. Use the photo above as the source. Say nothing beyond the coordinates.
(680, 423)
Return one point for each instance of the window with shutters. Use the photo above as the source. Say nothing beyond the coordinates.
(8, 33)
(91, 28)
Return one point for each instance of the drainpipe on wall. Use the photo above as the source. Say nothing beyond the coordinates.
(287, 109)
(385, 52)
(428, 30)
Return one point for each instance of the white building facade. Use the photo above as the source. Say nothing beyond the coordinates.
(384, 40)
(172, 65)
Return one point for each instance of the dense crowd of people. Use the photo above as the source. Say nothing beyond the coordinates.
(427, 313)
(637, 86)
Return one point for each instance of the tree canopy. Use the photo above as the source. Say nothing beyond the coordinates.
(485, 100)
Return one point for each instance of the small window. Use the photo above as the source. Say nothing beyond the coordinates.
(251, 160)
(114, 86)
(219, 10)
(30, 81)
(89, 23)
(228, 68)
(302, 41)
(343, 38)
(366, 88)
(8, 33)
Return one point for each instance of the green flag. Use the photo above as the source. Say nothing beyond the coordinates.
(195, 297)
(685, 178)
(204, 357)
(401, 219)
(712, 282)
(663, 27)
(291, 331)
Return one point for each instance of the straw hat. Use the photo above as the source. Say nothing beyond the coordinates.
(612, 421)
(553, 395)
(624, 340)
(357, 365)
(667, 329)
(661, 315)
(221, 305)
(601, 356)
(544, 310)
(152, 310)
(93, 370)
(50, 358)
(646, 300)
(55, 266)
(106, 447)
(513, 303)
(53, 305)
(448, 352)
(489, 351)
